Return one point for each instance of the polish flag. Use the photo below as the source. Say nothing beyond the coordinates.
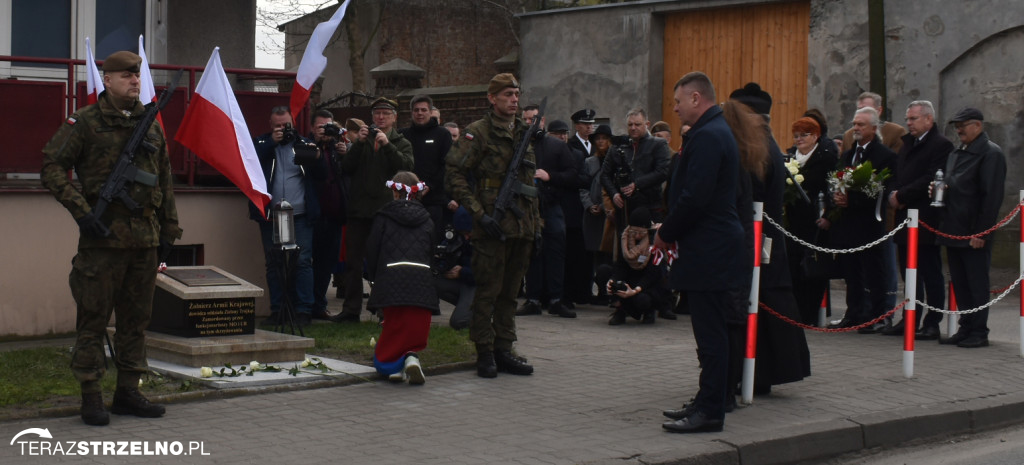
(211, 119)
(313, 60)
(93, 79)
(147, 91)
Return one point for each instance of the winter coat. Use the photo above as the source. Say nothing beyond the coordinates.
(370, 171)
(975, 178)
(648, 164)
(430, 144)
(916, 165)
(398, 255)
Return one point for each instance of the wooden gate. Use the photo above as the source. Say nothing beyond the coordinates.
(766, 44)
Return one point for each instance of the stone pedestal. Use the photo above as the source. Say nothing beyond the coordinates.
(205, 316)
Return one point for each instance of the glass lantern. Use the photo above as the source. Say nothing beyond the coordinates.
(284, 223)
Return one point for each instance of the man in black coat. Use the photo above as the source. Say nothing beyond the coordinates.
(924, 151)
(859, 222)
(634, 172)
(583, 123)
(430, 144)
(703, 223)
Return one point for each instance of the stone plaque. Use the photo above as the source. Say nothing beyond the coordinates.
(200, 277)
(203, 302)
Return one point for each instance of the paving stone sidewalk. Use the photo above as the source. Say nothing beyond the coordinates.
(596, 397)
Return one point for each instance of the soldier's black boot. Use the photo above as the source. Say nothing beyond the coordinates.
(509, 363)
(129, 401)
(93, 412)
(485, 367)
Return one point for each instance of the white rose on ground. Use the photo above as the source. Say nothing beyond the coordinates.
(205, 372)
(254, 365)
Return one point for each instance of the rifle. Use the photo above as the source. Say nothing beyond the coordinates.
(510, 186)
(124, 172)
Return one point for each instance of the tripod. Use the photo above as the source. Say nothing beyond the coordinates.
(286, 257)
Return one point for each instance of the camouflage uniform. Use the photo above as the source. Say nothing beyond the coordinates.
(483, 154)
(118, 272)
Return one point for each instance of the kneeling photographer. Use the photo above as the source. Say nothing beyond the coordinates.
(452, 268)
(635, 284)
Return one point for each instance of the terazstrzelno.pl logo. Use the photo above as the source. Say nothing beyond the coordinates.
(39, 442)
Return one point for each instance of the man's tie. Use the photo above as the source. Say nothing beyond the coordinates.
(858, 155)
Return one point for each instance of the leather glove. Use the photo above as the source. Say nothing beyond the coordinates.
(491, 227)
(91, 226)
(538, 244)
(163, 251)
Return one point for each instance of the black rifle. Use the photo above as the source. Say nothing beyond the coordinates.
(124, 172)
(510, 186)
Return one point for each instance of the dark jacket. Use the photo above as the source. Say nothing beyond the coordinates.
(430, 144)
(265, 151)
(916, 165)
(800, 215)
(371, 170)
(332, 189)
(975, 178)
(575, 143)
(572, 205)
(555, 157)
(647, 162)
(856, 224)
(398, 255)
(770, 191)
(702, 216)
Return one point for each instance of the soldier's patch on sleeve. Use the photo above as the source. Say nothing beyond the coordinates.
(468, 136)
(71, 121)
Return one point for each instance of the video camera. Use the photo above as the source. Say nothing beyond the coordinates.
(623, 176)
(447, 252)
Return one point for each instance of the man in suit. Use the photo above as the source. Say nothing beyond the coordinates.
(583, 124)
(704, 225)
(857, 224)
(923, 153)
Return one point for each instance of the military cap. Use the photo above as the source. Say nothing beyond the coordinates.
(752, 96)
(967, 114)
(661, 126)
(354, 124)
(122, 61)
(558, 126)
(602, 130)
(585, 116)
(501, 82)
(384, 102)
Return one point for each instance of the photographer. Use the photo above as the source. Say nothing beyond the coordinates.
(634, 171)
(636, 285)
(291, 167)
(452, 267)
(332, 192)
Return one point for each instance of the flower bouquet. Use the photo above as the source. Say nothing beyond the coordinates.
(792, 193)
(861, 178)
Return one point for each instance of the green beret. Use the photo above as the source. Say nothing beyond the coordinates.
(384, 102)
(502, 81)
(122, 61)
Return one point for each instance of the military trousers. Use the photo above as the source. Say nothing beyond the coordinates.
(106, 280)
(499, 268)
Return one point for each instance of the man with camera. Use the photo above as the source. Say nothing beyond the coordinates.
(291, 167)
(332, 192)
(453, 268)
(373, 159)
(634, 171)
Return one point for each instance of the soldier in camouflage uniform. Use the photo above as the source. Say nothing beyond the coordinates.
(483, 154)
(116, 272)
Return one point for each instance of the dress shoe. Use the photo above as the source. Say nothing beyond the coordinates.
(697, 422)
(666, 314)
(129, 401)
(618, 317)
(508, 363)
(93, 412)
(678, 414)
(567, 304)
(413, 370)
(875, 328)
(529, 308)
(955, 339)
(973, 342)
(841, 324)
(345, 318)
(927, 333)
(892, 329)
(558, 309)
(485, 367)
(321, 314)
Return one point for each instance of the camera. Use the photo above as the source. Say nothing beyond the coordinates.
(623, 176)
(619, 286)
(289, 134)
(333, 130)
(306, 153)
(448, 252)
(373, 131)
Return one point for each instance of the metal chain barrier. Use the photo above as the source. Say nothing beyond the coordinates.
(990, 303)
(827, 250)
(828, 330)
(1009, 218)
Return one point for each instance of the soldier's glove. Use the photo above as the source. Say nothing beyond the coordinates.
(491, 227)
(163, 251)
(91, 226)
(538, 244)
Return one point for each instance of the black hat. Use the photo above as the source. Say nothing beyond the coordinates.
(967, 114)
(752, 96)
(585, 115)
(122, 61)
(602, 129)
(640, 217)
(558, 126)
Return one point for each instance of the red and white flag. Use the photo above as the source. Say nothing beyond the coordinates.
(313, 60)
(147, 91)
(93, 79)
(211, 120)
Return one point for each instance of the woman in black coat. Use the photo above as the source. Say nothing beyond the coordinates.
(816, 161)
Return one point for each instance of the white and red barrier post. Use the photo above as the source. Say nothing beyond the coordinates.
(910, 311)
(823, 308)
(951, 321)
(1021, 207)
(747, 386)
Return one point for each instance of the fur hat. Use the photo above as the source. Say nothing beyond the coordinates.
(752, 96)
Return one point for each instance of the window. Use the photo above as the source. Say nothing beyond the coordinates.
(41, 29)
(119, 23)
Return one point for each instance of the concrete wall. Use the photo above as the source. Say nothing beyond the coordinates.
(195, 27)
(40, 239)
